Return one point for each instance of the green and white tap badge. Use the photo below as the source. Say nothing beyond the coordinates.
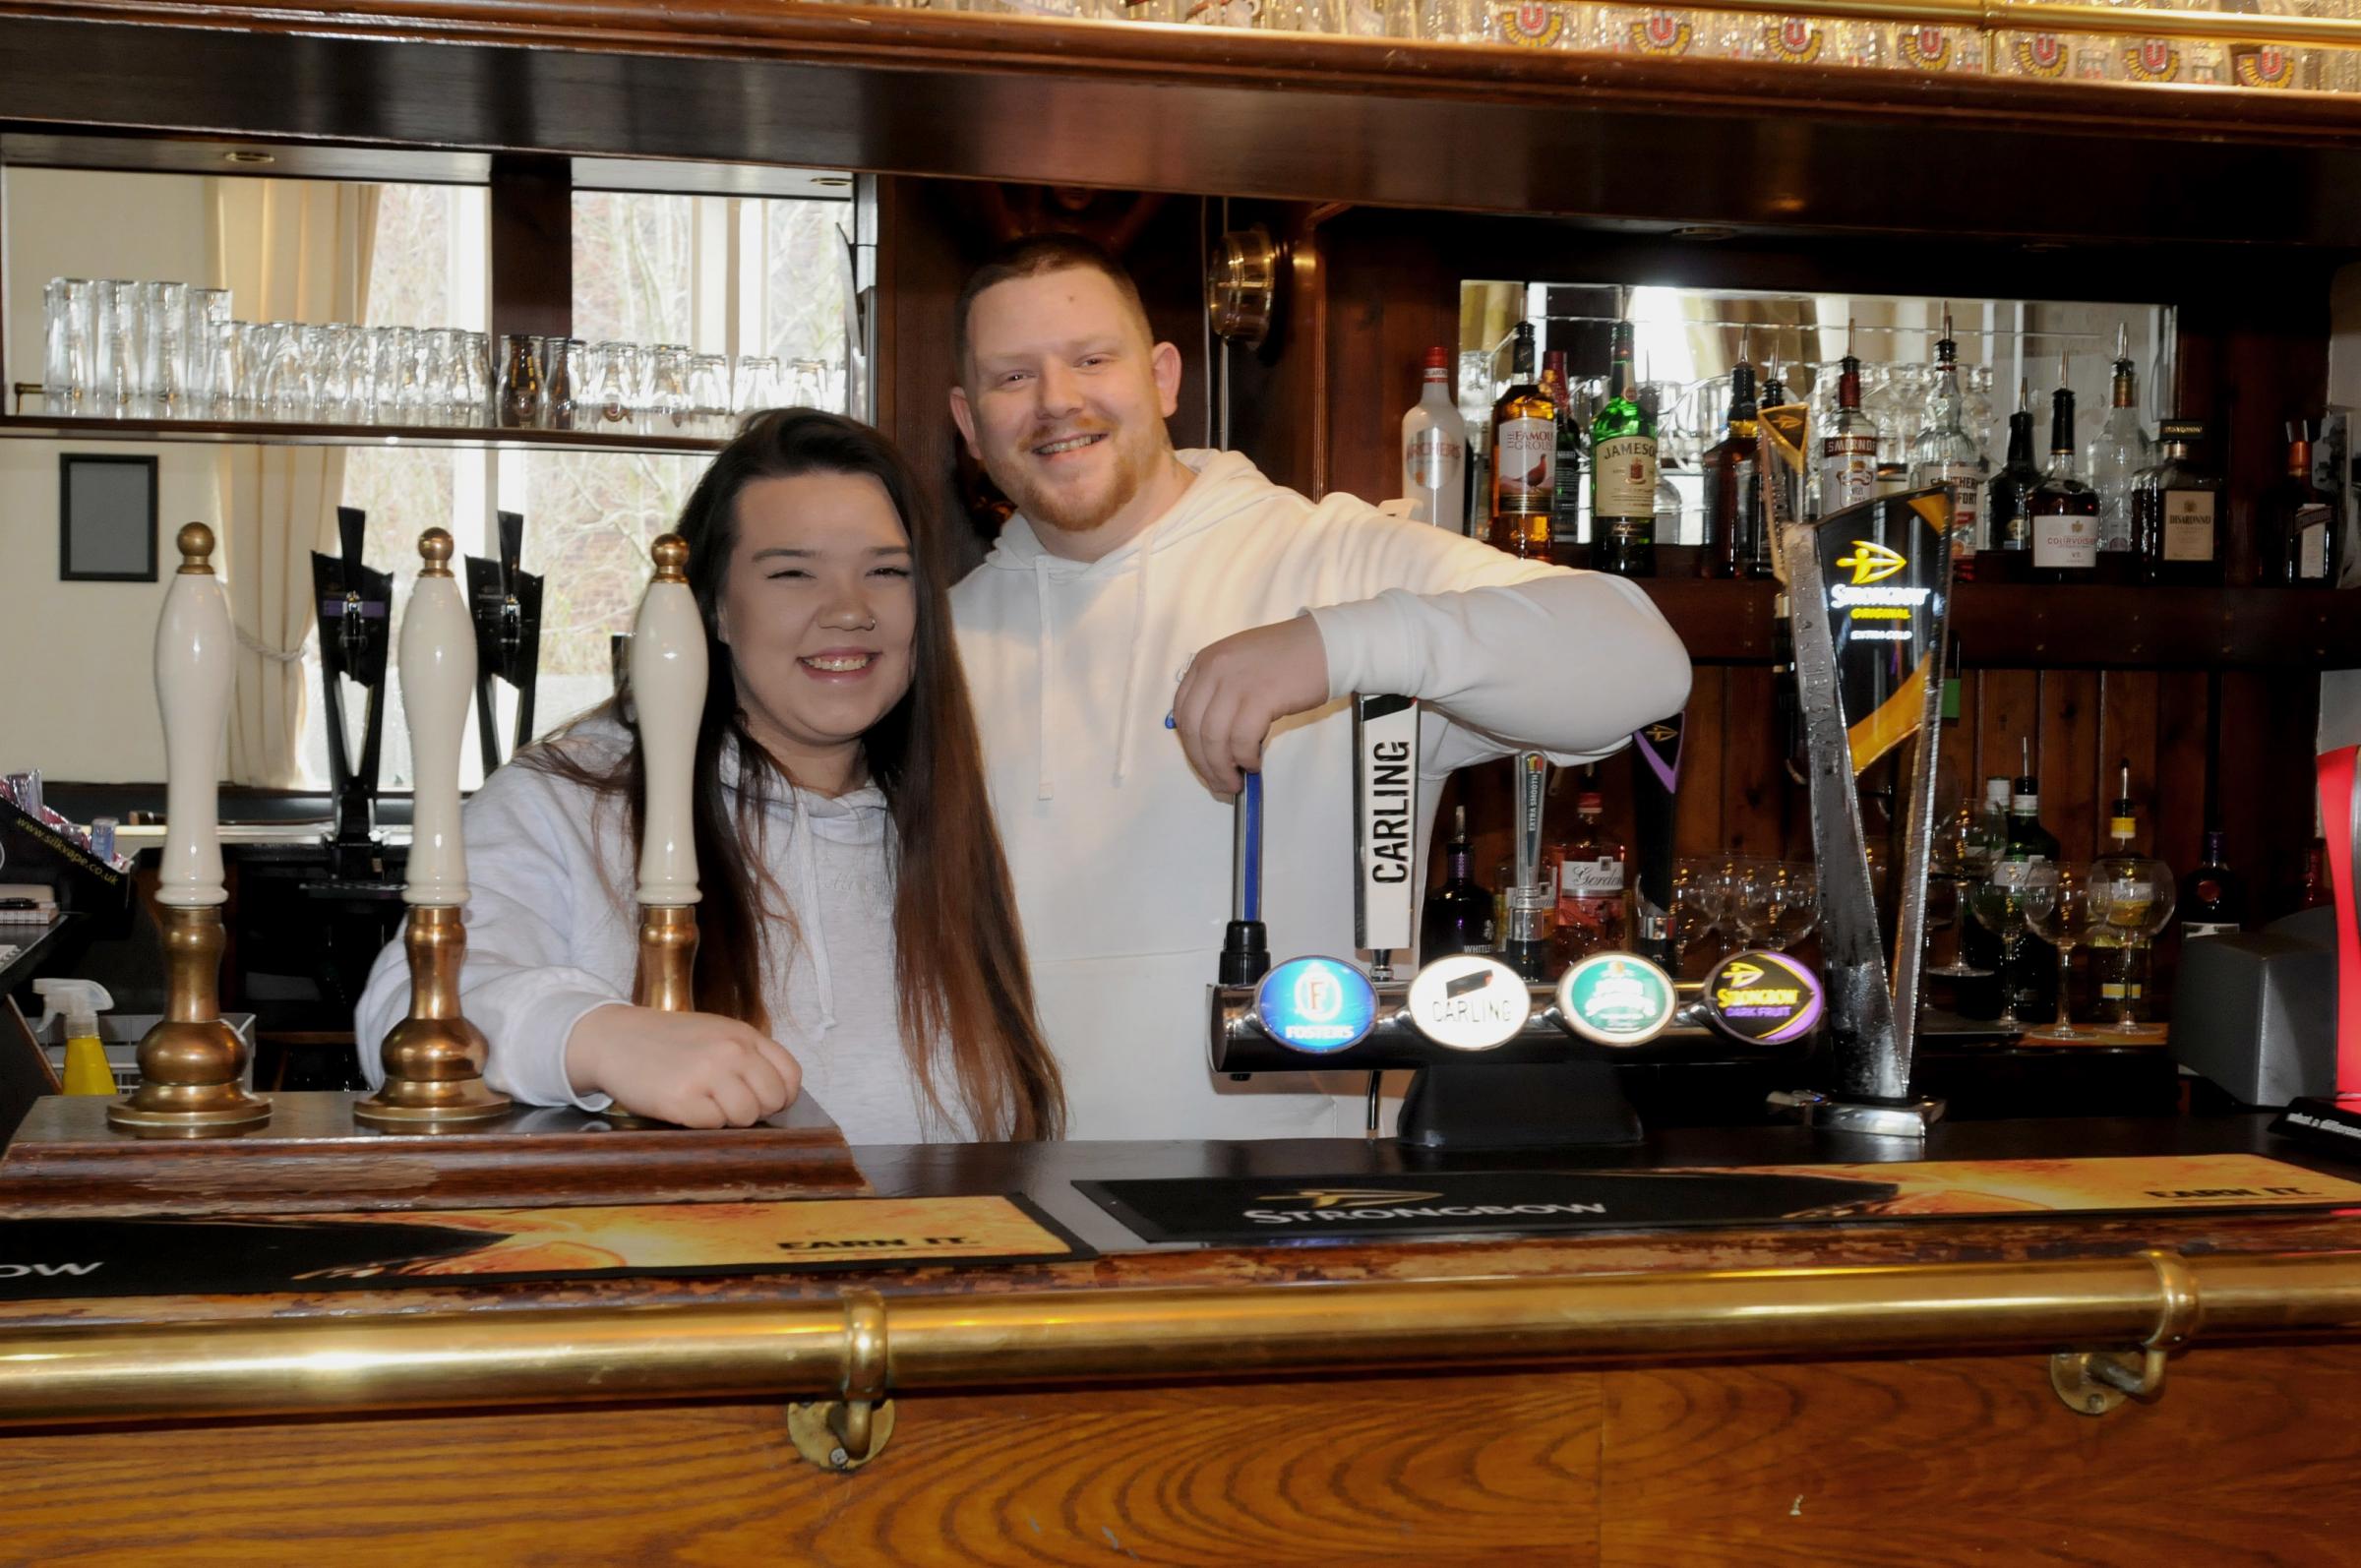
(1615, 998)
(1469, 1003)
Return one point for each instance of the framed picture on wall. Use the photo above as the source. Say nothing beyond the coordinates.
(105, 518)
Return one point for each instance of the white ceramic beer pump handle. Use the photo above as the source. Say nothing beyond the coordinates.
(437, 681)
(195, 646)
(668, 689)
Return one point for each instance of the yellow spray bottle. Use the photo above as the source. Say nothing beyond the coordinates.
(81, 1001)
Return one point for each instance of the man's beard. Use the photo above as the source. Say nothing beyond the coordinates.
(1069, 512)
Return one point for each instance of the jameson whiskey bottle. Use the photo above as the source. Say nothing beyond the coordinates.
(1524, 458)
(2063, 511)
(2176, 514)
(1623, 474)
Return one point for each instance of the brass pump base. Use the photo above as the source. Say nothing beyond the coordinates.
(191, 1062)
(434, 1058)
(665, 980)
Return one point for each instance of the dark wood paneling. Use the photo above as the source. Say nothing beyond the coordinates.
(532, 246)
(2068, 757)
(1705, 739)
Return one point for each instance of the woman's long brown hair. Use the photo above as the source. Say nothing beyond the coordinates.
(963, 989)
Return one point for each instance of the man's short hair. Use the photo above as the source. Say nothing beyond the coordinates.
(1036, 256)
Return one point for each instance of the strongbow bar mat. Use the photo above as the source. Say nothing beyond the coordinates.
(1234, 1210)
(48, 1259)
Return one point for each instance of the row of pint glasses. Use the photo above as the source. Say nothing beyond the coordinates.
(116, 350)
(659, 390)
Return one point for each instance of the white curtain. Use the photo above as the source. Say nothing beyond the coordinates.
(288, 251)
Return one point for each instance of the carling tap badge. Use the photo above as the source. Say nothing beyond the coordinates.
(1870, 592)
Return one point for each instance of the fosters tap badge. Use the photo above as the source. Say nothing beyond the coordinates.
(1319, 1006)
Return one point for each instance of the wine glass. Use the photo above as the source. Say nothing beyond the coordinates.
(1963, 856)
(1692, 910)
(1761, 902)
(2060, 910)
(2132, 899)
(1795, 914)
(2000, 903)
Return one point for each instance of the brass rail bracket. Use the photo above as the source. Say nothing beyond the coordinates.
(844, 1435)
(2097, 1382)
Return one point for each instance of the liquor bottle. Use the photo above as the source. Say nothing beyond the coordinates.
(1979, 946)
(2305, 519)
(1565, 498)
(1787, 482)
(2118, 454)
(2119, 967)
(1945, 453)
(2176, 514)
(2029, 967)
(1849, 447)
(2312, 891)
(2212, 896)
(2062, 511)
(1590, 886)
(1524, 458)
(1623, 474)
(1459, 915)
(2123, 818)
(1734, 542)
(1435, 449)
(2006, 528)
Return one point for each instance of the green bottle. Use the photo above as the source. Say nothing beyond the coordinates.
(2028, 966)
(1623, 475)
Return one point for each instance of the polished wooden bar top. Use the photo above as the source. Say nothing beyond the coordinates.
(1047, 1172)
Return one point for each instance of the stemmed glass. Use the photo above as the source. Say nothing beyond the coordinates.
(1778, 904)
(2132, 898)
(2060, 909)
(1963, 851)
(1693, 912)
(2001, 904)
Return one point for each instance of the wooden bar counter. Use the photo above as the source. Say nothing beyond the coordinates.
(1802, 1393)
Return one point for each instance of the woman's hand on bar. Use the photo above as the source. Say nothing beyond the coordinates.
(695, 1069)
(1236, 688)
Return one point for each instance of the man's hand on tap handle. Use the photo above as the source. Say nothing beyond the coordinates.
(1235, 689)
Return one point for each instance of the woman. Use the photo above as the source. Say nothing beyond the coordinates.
(858, 940)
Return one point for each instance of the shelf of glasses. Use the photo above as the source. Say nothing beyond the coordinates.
(2034, 625)
(45, 427)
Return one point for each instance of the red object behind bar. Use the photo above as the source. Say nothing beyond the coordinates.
(2340, 824)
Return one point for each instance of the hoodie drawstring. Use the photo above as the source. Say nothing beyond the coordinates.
(1048, 646)
(807, 903)
(1124, 725)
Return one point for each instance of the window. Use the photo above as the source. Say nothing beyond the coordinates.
(738, 275)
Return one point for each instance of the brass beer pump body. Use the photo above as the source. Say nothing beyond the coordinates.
(191, 1062)
(434, 1058)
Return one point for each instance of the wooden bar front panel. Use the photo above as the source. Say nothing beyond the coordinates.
(1929, 1462)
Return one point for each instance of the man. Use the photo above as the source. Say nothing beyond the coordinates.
(1135, 582)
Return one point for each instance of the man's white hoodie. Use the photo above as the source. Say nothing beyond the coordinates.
(1121, 856)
